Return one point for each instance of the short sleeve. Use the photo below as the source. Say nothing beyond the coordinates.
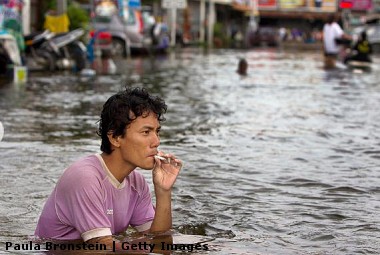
(143, 213)
(80, 204)
(338, 31)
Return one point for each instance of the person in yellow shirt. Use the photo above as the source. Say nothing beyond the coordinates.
(57, 23)
(361, 50)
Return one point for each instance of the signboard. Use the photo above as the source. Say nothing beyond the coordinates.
(310, 5)
(134, 3)
(361, 5)
(268, 3)
(11, 20)
(356, 5)
(10, 11)
(174, 4)
(323, 5)
(346, 4)
(292, 4)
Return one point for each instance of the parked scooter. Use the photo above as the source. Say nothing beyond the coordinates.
(9, 54)
(57, 52)
(37, 58)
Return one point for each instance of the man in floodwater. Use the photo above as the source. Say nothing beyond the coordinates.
(101, 195)
(332, 33)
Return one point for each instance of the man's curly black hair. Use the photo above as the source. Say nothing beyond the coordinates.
(124, 107)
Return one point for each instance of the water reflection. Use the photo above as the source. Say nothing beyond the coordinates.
(285, 159)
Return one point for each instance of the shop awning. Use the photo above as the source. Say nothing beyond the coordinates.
(241, 7)
(227, 2)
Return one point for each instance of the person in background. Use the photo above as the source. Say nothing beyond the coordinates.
(282, 34)
(242, 67)
(101, 195)
(331, 32)
(153, 30)
(361, 50)
(318, 3)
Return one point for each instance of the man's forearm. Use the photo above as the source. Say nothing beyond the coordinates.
(163, 216)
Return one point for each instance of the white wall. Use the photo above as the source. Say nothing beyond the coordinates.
(26, 17)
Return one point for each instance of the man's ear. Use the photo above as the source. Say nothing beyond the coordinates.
(114, 140)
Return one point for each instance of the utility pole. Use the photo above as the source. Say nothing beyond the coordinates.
(61, 7)
(202, 21)
(211, 21)
(173, 26)
(346, 19)
(26, 17)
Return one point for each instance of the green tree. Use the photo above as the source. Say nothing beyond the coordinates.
(78, 17)
(148, 2)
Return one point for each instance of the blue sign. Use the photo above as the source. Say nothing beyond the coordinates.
(134, 3)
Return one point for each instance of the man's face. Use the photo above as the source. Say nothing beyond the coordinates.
(140, 143)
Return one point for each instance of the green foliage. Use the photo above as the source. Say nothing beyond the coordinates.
(218, 30)
(79, 18)
(149, 2)
(51, 5)
(220, 37)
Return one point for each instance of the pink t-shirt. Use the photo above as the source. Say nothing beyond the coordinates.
(89, 202)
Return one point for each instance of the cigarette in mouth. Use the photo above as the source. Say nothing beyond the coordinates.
(162, 158)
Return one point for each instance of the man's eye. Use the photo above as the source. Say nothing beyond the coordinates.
(146, 132)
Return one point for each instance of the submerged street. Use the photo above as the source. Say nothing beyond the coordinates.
(285, 160)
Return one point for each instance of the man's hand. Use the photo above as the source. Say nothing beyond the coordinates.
(165, 172)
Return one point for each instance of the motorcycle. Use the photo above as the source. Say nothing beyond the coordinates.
(9, 54)
(37, 58)
(56, 52)
(351, 57)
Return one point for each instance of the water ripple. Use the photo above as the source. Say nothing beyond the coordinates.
(282, 161)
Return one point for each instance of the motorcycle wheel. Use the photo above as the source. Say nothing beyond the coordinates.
(79, 57)
(118, 47)
(49, 59)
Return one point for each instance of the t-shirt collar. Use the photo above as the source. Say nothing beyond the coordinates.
(111, 177)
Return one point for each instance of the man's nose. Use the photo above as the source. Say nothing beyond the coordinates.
(156, 140)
